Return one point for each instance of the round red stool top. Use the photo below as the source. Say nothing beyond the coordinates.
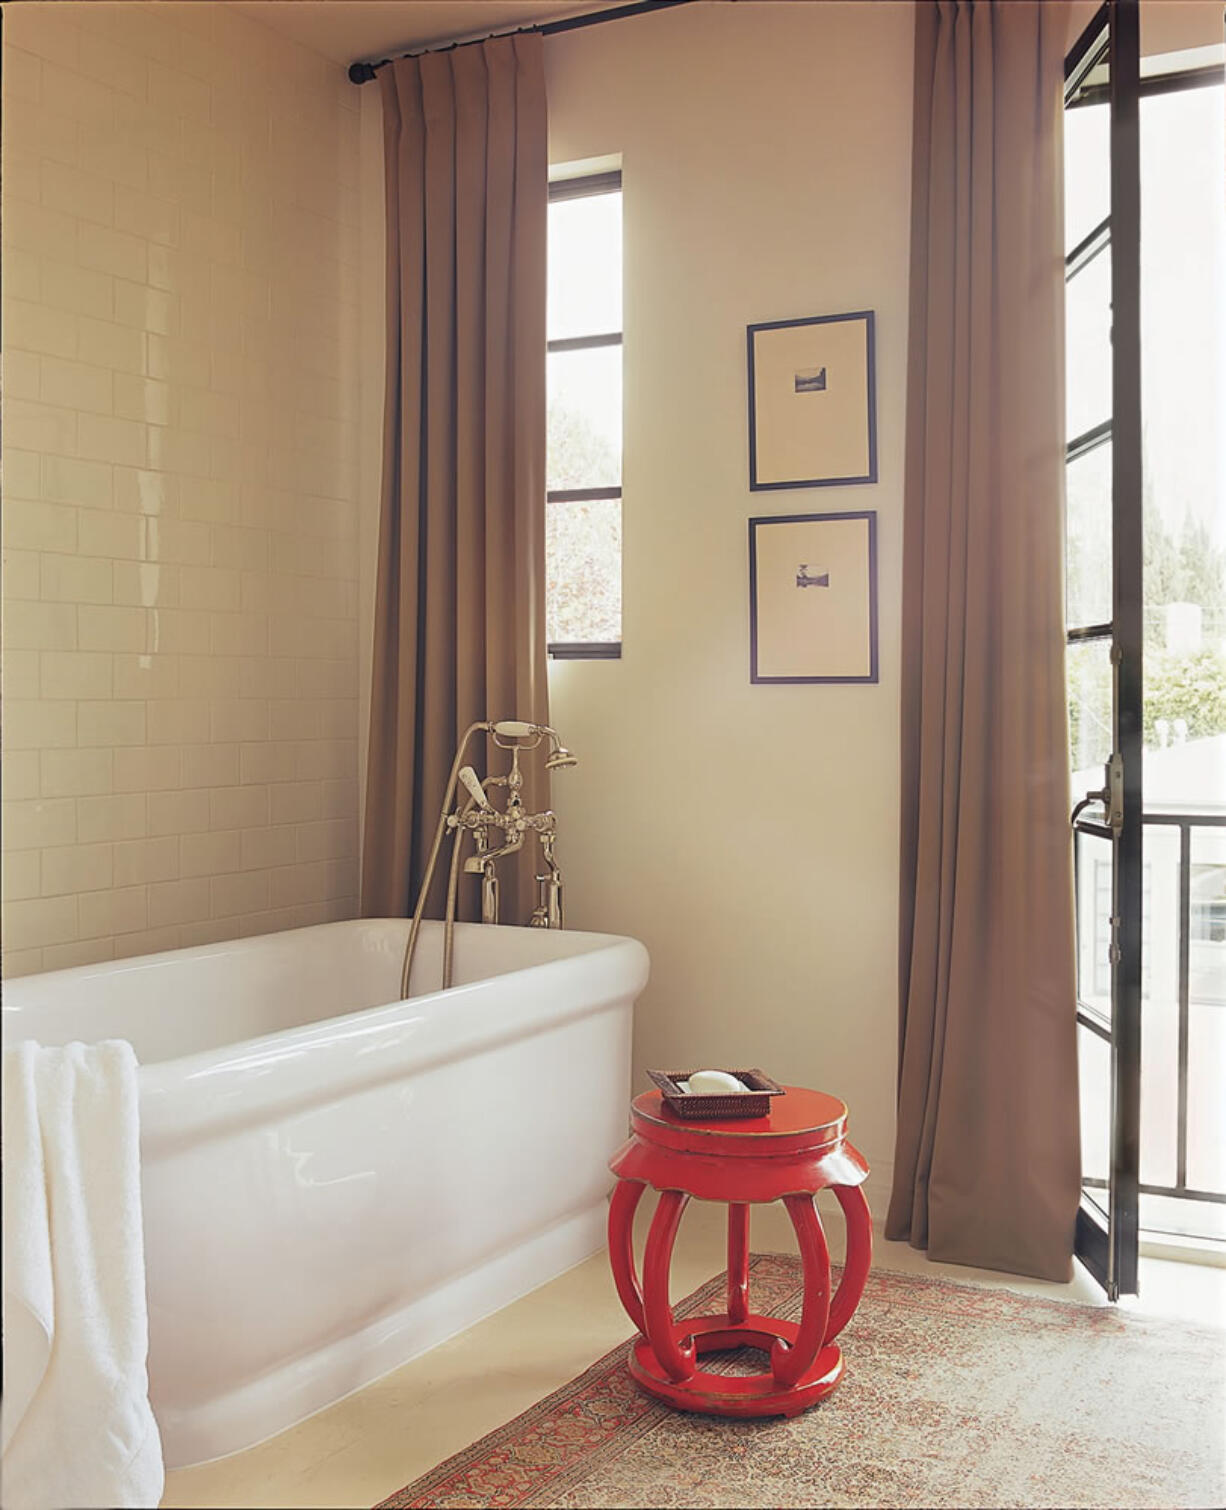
(800, 1147)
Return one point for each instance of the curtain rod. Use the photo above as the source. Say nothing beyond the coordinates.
(363, 73)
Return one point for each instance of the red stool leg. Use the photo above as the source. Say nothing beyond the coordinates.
(622, 1207)
(789, 1364)
(859, 1255)
(738, 1263)
(676, 1358)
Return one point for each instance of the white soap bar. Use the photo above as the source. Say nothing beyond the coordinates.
(713, 1083)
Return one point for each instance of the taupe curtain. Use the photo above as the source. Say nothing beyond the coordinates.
(987, 1156)
(460, 596)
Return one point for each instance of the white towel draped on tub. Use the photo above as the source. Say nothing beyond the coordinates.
(77, 1428)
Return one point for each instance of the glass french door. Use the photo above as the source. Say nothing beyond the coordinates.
(1103, 612)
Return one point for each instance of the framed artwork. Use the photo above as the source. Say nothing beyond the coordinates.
(813, 598)
(812, 402)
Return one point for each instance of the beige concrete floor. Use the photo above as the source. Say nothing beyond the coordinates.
(364, 1448)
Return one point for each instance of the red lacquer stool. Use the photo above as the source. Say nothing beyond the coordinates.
(798, 1149)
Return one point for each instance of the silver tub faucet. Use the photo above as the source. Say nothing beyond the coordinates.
(495, 833)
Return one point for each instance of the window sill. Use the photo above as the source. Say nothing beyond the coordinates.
(592, 651)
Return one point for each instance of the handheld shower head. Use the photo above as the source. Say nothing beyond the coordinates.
(514, 729)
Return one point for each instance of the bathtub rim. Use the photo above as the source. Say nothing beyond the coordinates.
(212, 1093)
(222, 947)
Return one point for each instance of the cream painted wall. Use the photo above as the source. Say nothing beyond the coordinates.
(180, 662)
(747, 834)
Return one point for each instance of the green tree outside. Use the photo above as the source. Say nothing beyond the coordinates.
(583, 540)
(1183, 568)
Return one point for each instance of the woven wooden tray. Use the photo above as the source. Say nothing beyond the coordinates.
(755, 1102)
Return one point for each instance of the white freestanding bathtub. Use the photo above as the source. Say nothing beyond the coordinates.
(335, 1180)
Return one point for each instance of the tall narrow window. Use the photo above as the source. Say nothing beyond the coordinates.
(584, 458)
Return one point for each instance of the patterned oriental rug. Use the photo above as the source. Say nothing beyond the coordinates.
(954, 1395)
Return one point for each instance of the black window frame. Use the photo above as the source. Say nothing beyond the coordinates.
(583, 187)
(1110, 1253)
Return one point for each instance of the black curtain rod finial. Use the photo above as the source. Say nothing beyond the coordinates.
(361, 73)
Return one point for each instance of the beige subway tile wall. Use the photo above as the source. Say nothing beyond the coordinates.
(180, 365)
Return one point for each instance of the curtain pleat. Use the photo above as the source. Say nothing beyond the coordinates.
(460, 607)
(987, 1159)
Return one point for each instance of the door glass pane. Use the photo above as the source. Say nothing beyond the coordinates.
(1088, 667)
(1088, 346)
(585, 266)
(1183, 379)
(1094, 860)
(1088, 538)
(1094, 1073)
(1207, 1012)
(585, 418)
(1087, 169)
(1168, 1213)
(1207, 918)
(1159, 1004)
(583, 602)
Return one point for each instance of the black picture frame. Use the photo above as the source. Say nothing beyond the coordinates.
(762, 471)
(756, 674)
